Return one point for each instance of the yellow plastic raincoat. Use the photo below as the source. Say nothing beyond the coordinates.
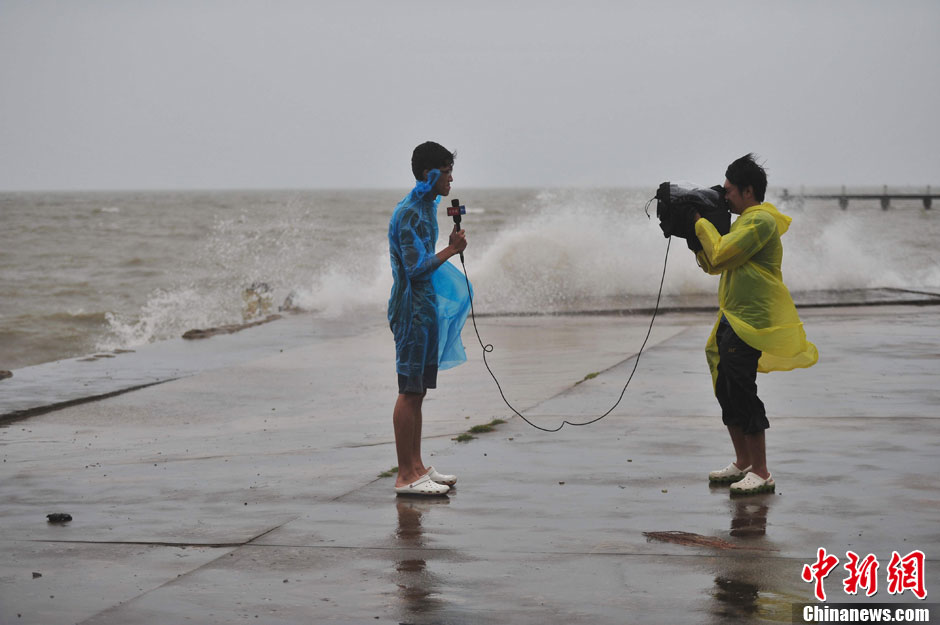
(751, 293)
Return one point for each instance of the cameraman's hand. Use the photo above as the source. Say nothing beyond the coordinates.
(694, 244)
(458, 240)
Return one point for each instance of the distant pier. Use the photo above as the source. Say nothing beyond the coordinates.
(884, 197)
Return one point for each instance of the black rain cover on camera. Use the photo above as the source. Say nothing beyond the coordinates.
(677, 203)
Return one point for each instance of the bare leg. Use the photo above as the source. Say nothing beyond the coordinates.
(750, 451)
(757, 453)
(418, 464)
(741, 450)
(407, 422)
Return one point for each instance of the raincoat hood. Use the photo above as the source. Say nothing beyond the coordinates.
(424, 188)
(783, 221)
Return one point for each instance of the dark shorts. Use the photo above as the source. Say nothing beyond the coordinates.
(736, 386)
(418, 384)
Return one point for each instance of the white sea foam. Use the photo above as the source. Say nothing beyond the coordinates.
(338, 290)
(241, 272)
(167, 313)
(172, 263)
(574, 254)
(573, 251)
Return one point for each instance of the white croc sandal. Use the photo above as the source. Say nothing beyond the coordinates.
(441, 478)
(423, 486)
(752, 484)
(730, 473)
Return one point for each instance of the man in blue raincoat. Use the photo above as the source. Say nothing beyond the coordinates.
(426, 311)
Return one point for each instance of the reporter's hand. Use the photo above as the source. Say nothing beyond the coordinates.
(458, 240)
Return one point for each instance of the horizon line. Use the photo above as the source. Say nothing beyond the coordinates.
(396, 189)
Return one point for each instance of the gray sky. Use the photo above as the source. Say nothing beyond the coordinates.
(118, 94)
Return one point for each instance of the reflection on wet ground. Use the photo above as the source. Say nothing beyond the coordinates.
(744, 590)
(750, 517)
(417, 586)
(735, 598)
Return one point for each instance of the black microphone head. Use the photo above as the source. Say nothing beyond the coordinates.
(455, 210)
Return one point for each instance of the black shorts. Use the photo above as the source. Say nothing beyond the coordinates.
(736, 386)
(418, 384)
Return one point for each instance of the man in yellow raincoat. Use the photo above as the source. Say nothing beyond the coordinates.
(758, 328)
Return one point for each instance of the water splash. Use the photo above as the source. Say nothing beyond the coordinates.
(529, 252)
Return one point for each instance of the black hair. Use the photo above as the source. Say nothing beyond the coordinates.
(746, 172)
(430, 155)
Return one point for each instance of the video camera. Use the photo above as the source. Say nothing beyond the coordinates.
(676, 203)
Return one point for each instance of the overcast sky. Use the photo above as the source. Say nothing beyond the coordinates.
(190, 94)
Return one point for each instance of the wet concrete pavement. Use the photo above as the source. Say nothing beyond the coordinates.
(249, 493)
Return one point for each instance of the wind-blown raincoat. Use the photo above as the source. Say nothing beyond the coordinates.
(429, 302)
(751, 293)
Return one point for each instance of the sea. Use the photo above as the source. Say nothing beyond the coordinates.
(91, 272)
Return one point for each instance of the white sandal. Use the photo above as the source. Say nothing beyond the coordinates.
(425, 486)
(441, 478)
(753, 484)
(730, 473)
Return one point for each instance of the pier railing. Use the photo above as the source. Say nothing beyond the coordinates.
(884, 197)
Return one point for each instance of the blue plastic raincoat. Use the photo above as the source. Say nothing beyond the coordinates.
(429, 301)
(751, 293)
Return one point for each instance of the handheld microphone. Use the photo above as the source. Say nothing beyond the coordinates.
(455, 210)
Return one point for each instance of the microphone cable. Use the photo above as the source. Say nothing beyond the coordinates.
(488, 347)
